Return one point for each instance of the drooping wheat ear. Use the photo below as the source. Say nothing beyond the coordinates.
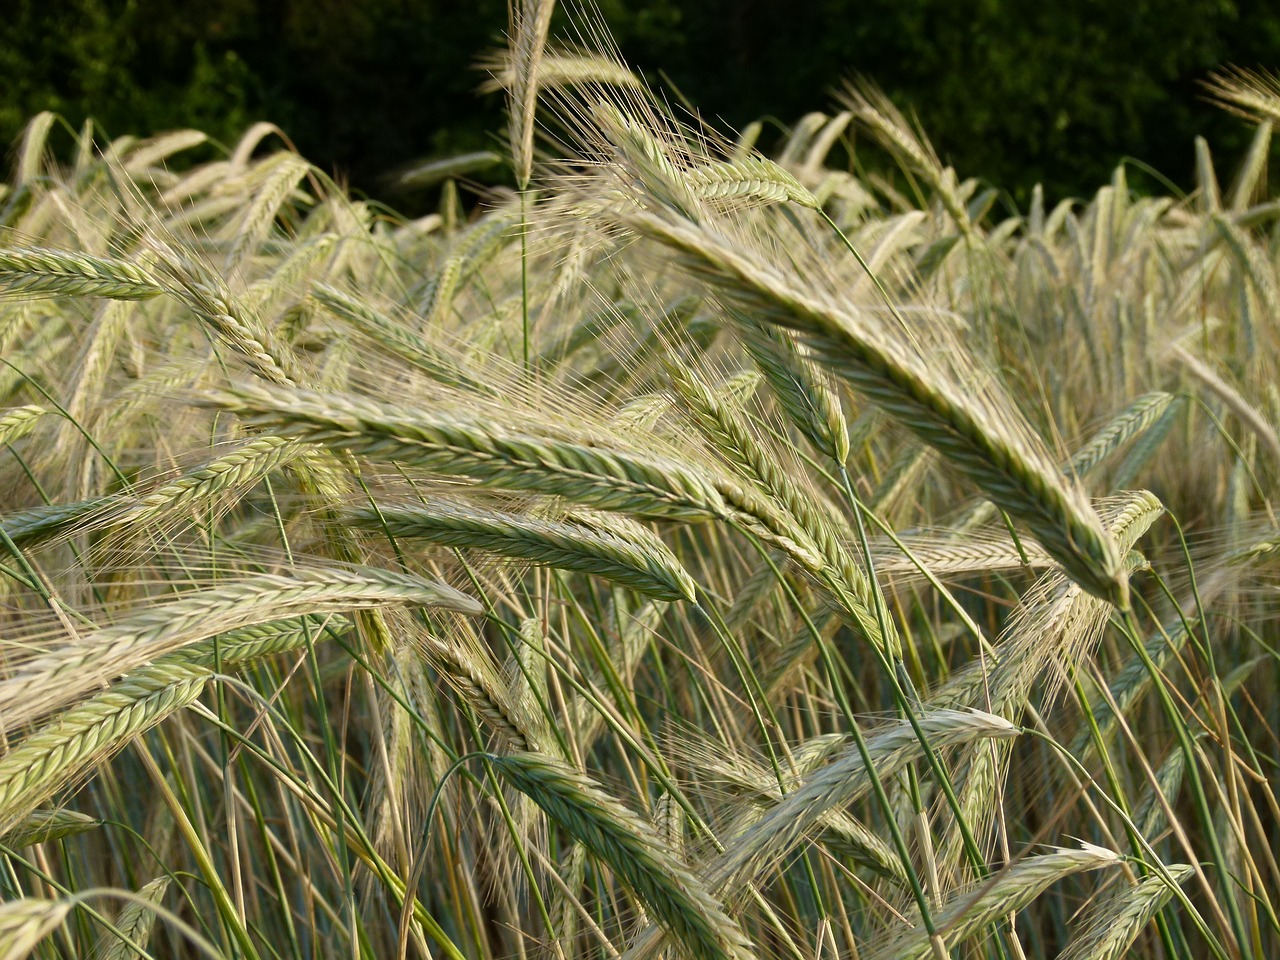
(799, 528)
(472, 672)
(639, 559)
(999, 455)
(135, 922)
(1111, 926)
(262, 640)
(839, 832)
(801, 388)
(1005, 893)
(646, 160)
(283, 172)
(42, 826)
(151, 154)
(27, 921)
(397, 338)
(1252, 261)
(795, 649)
(35, 271)
(590, 474)
(746, 179)
(1149, 813)
(40, 524)
(53, 679)
(207, 295)
(1257, 550)
(437, 295)
(1056, 621)
(88, 732)
(1131, 422)
(845, 779)
(529, 22)
(731, 437)
(945, 558)
(674, 897)
(635, 634)
(18, 422)
(564, 906)
(886, 123)
(249, 462)
(1248, 93)
(481, 242)
(1229, 395)
(32, 155)
(758, 588)
(1133, 681)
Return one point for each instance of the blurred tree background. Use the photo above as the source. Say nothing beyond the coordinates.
(1014, 91)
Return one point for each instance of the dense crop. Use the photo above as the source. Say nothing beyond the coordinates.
(694, 552)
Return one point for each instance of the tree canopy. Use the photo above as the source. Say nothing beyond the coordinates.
(1015, 92)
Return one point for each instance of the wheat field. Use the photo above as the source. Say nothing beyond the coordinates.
(690, 552)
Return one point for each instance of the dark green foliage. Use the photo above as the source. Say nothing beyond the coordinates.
(1017, 92)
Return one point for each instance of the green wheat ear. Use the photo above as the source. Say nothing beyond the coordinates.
(697, 924)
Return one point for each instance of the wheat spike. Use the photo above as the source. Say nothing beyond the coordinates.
(18, 422)
(58, 676)
(1005, 893)
(134, 922)
(1109, 930)
(43, 826)
(27, 921)
(88, 732)
(590, 474)
(698, 926)
(637, 558)
(34, 271)
(1016, 474)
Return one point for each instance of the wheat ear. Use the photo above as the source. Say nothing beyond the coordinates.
(808, 400)
(396, 337)
(134, 922)
(1005, 893)
(59, 676)
(1004, 463)
(637, 558)
(42, 826)
(33, 271)
(609, 831)
(56, 752)
(1112, 925)
(18, 422)
(587, 473)
(27, 921)
(843, 780)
